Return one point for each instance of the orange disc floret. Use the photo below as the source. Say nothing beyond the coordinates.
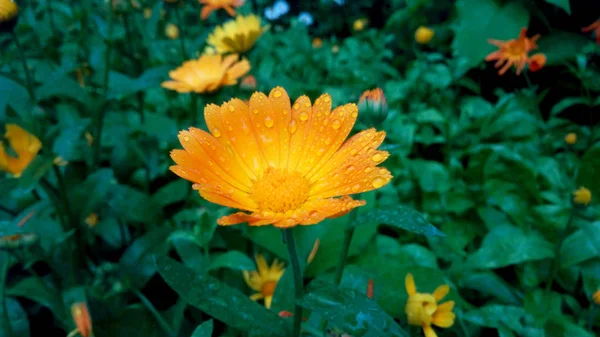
(286, 164)
(513, 52)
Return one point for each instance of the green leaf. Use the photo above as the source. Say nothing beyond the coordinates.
(17, 318)
(31, 288)
(218, 299)
(233, 260)
(490, 284)
(588, 171)
(15, 96)
(560, 47)
(480, 20)
(506, 245)
(402, 217)
(432, 176)
(137, 262)
(171, 193)
(581, 246)
(204, 330)
(133, 321)
(350, 310)
(564, 4)
(496, 316)
(188, 248)
(34, 172)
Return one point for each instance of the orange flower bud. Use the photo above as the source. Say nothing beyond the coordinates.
(374, 105)
(370, 289)
(537, 62)
(248, 83)
(82, 319)
(596, 297)
(571, 138)
(317, 42)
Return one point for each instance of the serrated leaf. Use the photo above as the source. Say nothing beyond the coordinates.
(217, 299)
(402, 217)
(204, 330)
(350, 310)
(507, 245)
(480, 20)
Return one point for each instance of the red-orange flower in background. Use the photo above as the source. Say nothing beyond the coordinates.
(593, 27)
(213, 5)
(82, 319)
(285, 163)
(513, 52)
(207, 74)
(537, 62)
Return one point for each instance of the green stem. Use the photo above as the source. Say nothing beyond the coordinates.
(348, 234)
(556, 261)
(102, 109)
(30, 85)
(161, 321)
(53, 195)
(5, 317)
(181, 32)
(62, 190)
(288, 237)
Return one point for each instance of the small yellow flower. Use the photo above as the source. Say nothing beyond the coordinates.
(24, 144)
(147, 13)
(59, 161)
(172, 31)
(359, 24)
(8, 12)
(91, 220)
(422, 309)
(82, 319)
(264, 279)
(424, 34)
(213, 5)
(335, 49)
(596, 297)
(582, 196)
(571, 138)
(89, 138)
(317, 42)
(236, 36)
(207, 74)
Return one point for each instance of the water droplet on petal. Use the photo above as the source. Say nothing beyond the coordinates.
(284, 112)
(328, 141)
(293, 127)
(222, 159)
(356, 188)
(269, 122)
(320, 152)
(186, 138)
(336, 124)
(255, 111)
(230, 128)
(354, 114)
(368, 169)
(349, 169)
(230, 108)
(277, 94)
(303, 116)
(327, 99)
(377, 157)
(378, 182)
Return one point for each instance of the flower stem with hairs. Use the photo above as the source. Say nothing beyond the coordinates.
(288, 238)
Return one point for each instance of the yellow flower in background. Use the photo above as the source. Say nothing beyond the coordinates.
(59, 161)
(285, 163)
(571, 138)
(207, 74)
(424, 34)
(596, 297)
(171, 31)
(82, 319)
(264, 279)
(91, 220)
(513, 52)
(8, 14)
(25, 146)
(335, 49)
(423, 309)
(582, 196)
(89, 138)
(236, 36)
(147, 13)
(213, 5)
(317, 42)
(359, 24)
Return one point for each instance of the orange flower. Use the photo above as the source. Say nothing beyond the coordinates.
(83, 321)
(513, 52)
(284, 163)
(371, 289)
(207, 74)
(593, 27)
(25, 145)
(317, 42)
(248, 83)
(537, 62)
(213, 5)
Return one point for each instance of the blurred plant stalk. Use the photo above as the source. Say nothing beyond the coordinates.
(288, 238)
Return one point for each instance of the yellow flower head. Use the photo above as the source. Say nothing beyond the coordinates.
(207, 74)
(264, 279)
(359, 24)
(91, 220)
(317, 42)
(285, 163)
(24, 145)
(571, 138)
(514, 52)
(172, 31)
(8, 10)
(424, 34)
(236, 36)
(423, 309)
(82, 319)
(213, 5)
(582, 196)
(596, 297)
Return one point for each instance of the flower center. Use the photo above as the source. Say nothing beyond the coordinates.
(279, 190)
(420, 309)
(516, 48)
(268, 289)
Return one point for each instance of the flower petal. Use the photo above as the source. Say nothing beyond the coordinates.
(428, 331)
(446, 306)
(409, 283)
(441, 291)
(263, 121)
(282, 111)
(443, 319)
